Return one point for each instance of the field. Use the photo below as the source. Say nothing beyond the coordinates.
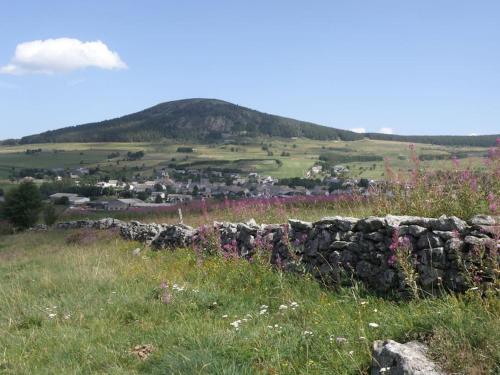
(249, 157)
(82, 306)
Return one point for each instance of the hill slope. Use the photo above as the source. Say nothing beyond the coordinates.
(191, 119)
(205, 120)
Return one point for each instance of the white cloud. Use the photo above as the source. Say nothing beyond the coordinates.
(473, 134)
(358, 130)
(61, 55)
(386, 130)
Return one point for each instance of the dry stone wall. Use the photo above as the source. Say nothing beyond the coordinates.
(445, 253)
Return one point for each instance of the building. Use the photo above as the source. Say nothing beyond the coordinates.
(73, 199)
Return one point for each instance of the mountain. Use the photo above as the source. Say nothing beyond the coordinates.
(208, 120)
(191, 119)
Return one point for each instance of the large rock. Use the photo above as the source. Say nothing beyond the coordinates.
(482, 220)
(174, 236)
(370, 224)
(448, 223)
(299, 224)
(343, 224)
(391, 357)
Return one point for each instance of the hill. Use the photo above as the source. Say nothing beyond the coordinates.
(209, 120)
(191, 119)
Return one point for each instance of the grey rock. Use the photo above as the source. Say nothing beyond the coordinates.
(343, 224)
(429, 240)
(136, 252)
(482, 220)
(370, 224)
(445, 223)
(375, 236)
(402, 359)
(337, 245)
(445, 235)
(299, 224)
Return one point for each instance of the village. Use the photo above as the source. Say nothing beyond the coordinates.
(80, 191)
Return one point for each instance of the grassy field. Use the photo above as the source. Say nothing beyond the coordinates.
(82, 308)
(303, 154)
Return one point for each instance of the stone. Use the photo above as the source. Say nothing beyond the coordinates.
(413, 230)
(454, 247)
(370, 224)
(338, 245)
(444, 234)
(136, 252)
(299, 224)
(482, 220)
(391, 357)
(429, 240)
(375, 236)
(448, 223)
(434, 257)
(473, 241)
(343, 224)
(365, 269)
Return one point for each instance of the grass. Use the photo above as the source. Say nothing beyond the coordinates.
(106, 302)
(304, 154)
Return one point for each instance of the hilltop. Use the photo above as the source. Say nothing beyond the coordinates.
(212, 120)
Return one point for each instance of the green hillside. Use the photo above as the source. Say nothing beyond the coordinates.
(212, 120)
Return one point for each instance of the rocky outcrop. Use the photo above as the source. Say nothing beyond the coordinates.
(391, 357)
(444, 253)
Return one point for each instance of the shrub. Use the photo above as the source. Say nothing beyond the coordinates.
(22, 205)
(50, 215)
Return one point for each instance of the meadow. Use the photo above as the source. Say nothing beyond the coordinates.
(252, 156)
(86, 302)
(74, 303)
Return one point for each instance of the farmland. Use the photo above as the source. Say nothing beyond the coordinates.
(268, 156)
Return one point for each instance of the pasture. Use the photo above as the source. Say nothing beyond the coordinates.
(270, 156)
(81, 302)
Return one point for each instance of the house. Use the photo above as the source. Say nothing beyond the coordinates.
(73, 199)
(178, 198)
(339, 170)
(122, 204)
(155, 194)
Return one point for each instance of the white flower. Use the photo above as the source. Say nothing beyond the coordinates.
(351, 352)
(363, 303)
(214, 303)
(262, 312)
(264, 307)
(224, 316)
(52, 315)
(283, 307)
(177, 288)
(307, 333)
(270, 327)
(373, 325)
(384, 369)
(67, 316)
(340, 340)
(236, 323)
(294, 304)
(375, 310)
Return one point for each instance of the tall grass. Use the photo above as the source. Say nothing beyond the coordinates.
(462, 191)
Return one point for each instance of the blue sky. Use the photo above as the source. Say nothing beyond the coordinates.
(413, 67)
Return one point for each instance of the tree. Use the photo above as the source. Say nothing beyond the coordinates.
(50, 214)
(22, 205)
